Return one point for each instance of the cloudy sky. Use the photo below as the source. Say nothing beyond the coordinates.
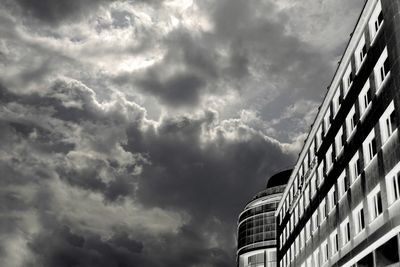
(133, 132)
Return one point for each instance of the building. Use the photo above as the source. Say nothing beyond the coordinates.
(257, 227)
(341, 206)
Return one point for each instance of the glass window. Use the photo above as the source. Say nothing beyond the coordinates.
(345, 228)
(308, 230)
(336, 102)
(302, 239)
(307, 196)
(369, 147)
(334, 242)
(312, 151)
(327, 121)
(365, 98)
(313, 185)
(322, 211)
(348, 79)
(351, 122)
(393, 184)
(388, 122)
(361, 52)
(321, 173)
(318, 137)
(315, 220)
(329, 158)
(359, 221)
(316, 257)
(381, 69)
(339, 141)
(375, 21)
(325, 251)
(342, 184)
(331, 199)
(354, 168)
(375, 203)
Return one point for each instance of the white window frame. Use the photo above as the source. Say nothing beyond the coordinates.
(315, 222)
(327, 121)
(331, 199)
(347, 79)
(373, 26)
(336, 102)
(373, 203)
(334, 242)
(364, 104)
(387, 126)
(308, 231)
(379, 71)
(370, 148)
(309, 261)
(302, 239)
(318, 136)
(322, 211)
(297, 246)
(339, 142)
(329, 159)
(360, 53)
(321, 173)
(325, 251)
(312, 151)
(358, 225)
(351, 123)
(313, 185)
(342, 185)
(306, 197)
(345, 231)
(354, 168)
(316, 257)
(393, 184)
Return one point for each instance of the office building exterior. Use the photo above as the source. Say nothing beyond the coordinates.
(341, 205)
(257, 225)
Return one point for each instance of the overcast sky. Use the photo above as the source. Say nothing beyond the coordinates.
(132, 133)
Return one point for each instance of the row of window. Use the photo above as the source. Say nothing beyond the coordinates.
(381, 72)
(341, 237)
(387, 124)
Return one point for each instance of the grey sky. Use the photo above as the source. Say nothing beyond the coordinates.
(134, 132)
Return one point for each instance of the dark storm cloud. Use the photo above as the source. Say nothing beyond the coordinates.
(54, 12)
(192, 164)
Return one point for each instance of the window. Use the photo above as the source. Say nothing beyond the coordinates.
(354, 168)
(351, 122)
(322, 211)
(365, 98)
(321, 173)
(393, 184)
(327, 121)
(308, 230)
(306, 163)
(387, 122)
(375, 203)
(292, 252)
(325, 251)
(309, 261)
(361, 52)
(339, 141)
(329, 158)
(331, 199)
(301, 206)
(381, 69)
(369, 147)
(292, 222)
(315, 221)
(318, 136)
(296, 214)
(359, 221)
(312, 151)
(375, 21)
(342, 184)
(313, 185)
(336, 102)
(345, 228)
(334, 242)
(316, 257)
(302, 239)
(347, 79)
(297, 246)
(307, 196)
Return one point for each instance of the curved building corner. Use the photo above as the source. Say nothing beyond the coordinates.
(256, 245)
